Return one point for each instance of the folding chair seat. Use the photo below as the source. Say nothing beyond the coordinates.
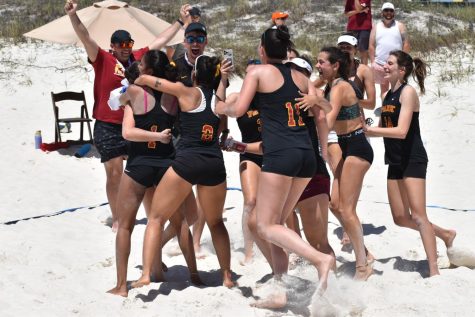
(82, 119)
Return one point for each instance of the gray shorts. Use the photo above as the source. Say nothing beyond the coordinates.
(109, 141)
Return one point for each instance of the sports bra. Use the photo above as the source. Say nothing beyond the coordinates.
(346, 112)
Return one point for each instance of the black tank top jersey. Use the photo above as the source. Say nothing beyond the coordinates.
(250, 124)
(398, 151)
(283, 125)
(152, 153)
(312, 132)
(199, 130)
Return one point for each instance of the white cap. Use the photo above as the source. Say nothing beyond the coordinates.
(387, 5)
(300, 62)
(350, 39)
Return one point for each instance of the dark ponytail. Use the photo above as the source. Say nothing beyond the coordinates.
(158, 62)
(132, 72)
(207, 71)
(417, 67)
(276, 42)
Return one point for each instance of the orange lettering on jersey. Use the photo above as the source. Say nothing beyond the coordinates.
(153, 144)
(252, 113)
(388, 122)
(259, 125)
(388, 108)
(119, 70)
(207, 133)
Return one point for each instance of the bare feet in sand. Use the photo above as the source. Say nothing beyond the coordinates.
(119, 290)
(449, 238)
(246, 261)
(324, 268)
(274, 301)
(227, 281)
(363, 272)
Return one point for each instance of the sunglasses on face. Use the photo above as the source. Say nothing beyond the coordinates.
(125, 44)
(200, 39)
(254, 62)
(388, 10)
(345, 46)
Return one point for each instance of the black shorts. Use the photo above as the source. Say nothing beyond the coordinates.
(251, 157)
(200, 168)
(109, 141)
(414, 170)
(319, 184)
(147, 176)
(363, 39)
(356, 144)
(291, 162)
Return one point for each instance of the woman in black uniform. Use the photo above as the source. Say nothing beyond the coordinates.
(288, 160)
(147, 123)
(405, 153)
(344, 118)
(198, 161)
(249, 168)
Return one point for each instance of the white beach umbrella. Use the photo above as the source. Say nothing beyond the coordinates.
(101, 20)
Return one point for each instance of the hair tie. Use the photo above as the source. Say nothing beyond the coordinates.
(172, 64)
(218, 69)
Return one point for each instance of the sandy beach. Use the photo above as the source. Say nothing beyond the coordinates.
(63, 265)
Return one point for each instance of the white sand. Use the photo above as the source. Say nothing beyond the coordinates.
(63, 265)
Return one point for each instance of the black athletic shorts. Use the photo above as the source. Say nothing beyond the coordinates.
(200, 168)
(356, 144)
(414, 170)
(291, 162)
(147, 176)
(251, 157)
(109, 141)
(363, 39)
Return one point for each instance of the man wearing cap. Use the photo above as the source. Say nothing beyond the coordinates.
(279, 18)
(195, 43)
(109, 67)
(387, 35)
(360, 24)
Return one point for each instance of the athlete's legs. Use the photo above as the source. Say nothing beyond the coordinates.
(249, 174)
(351, 181)
(169, 195)
(129, 198)
(212, 201)
(114, 169)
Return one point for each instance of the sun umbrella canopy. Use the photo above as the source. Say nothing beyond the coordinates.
(101, 20)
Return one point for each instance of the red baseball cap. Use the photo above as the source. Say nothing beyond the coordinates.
(279, 15)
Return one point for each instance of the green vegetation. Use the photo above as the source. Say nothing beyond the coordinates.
(238, 24)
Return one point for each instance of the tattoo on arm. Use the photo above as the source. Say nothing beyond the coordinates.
(157, 83)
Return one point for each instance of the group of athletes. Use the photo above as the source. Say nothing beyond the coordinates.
(291, 126)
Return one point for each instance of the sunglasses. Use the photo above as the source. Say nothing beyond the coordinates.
(388, 10)
(125, 44)
(200, 39)
(345, 46)
(254, 62)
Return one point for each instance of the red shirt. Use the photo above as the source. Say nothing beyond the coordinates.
(360, 21)
(109, 72)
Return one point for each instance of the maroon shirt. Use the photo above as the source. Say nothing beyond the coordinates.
(360, 21)
(109, 72)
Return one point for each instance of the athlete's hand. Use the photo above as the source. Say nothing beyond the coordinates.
(165, 136)
(226, 69)
(306, 101)
(185, 14)
(70, 7)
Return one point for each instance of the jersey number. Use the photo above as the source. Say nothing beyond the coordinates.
(207, 133)
(290, 111)
(387, 122)
(153, 144)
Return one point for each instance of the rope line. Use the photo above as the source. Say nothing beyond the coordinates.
(57, 213)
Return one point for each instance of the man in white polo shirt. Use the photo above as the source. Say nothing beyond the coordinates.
(386, 36)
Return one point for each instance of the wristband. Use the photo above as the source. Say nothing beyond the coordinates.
(181, 22)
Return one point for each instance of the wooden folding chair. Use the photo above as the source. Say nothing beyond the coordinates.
(83, 119)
